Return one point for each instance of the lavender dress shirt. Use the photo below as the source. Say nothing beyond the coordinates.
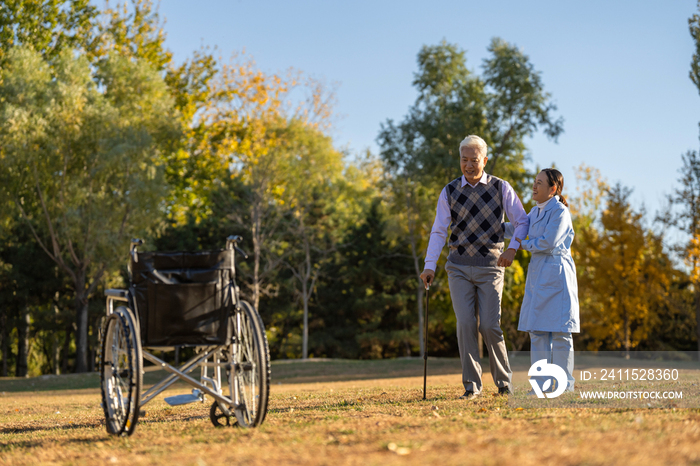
(511, 204)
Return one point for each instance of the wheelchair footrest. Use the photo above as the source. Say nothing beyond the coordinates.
(177, 400)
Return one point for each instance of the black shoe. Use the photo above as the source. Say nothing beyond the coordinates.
(468, 395)
(503, 391)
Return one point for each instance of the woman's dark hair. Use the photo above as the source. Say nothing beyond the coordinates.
(555, 178)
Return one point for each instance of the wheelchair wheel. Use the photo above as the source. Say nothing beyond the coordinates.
(217, 416)
(121, 372)
(251, 357)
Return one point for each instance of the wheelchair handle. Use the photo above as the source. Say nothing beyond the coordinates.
(241, 252)
(231, 243)
(132, 250)
(233, 240)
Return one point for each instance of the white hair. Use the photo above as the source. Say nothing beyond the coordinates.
(474, 142)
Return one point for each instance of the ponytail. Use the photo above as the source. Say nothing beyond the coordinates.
(555, 178)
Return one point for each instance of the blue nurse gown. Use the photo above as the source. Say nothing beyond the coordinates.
(550, 303)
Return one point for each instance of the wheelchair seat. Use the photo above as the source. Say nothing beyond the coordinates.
(183, 298)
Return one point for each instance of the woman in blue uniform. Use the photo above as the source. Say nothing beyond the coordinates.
(550, 307)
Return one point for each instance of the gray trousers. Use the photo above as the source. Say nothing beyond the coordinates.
(557, 348)
(470, 285)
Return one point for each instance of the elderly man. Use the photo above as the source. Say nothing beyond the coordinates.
(473, 206)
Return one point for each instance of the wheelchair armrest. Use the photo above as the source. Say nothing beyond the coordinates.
(121, 295)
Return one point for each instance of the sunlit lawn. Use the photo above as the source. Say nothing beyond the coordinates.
(318, 416)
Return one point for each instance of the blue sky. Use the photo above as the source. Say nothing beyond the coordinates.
(618, 70)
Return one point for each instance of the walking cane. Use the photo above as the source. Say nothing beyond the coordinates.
(425, 344)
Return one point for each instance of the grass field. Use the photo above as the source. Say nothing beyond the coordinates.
(340, 412)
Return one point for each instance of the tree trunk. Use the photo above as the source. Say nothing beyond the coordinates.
(66, 348)
(419, 292)
(56, 349)
(697, 315)
(305, 337)
(305, 276)
(416, 265)
(81, 309)
(22, 368)
(56, 354)
(4, 346)
(627, 335)
(257, 251)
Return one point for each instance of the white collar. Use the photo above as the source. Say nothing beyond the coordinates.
(483, 180)
(541, 205)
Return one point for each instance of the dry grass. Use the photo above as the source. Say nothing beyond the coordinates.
(364, 421)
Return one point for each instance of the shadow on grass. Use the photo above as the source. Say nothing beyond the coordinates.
(39, 444)
(340, 370)
(50, 382)
(347, 404)
(24, 444)
(63, 427)
(287, 372)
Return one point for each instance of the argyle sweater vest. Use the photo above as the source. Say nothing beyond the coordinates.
(477, 222)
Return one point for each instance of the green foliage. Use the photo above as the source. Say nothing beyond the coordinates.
(102, 138)
(624, 276)
(87, 160)
(686, 197)
(683, 213)
(80, 158)
(30, 284)
(517, 107)
(504, 106)
(450, 101)
(366, 296)
(130, 29)
(694, 26)
(47, 26)
(134, 31)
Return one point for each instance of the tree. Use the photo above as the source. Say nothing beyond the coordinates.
(269, 163)
(365, 294)
(133, 29)
(516, 107)
(48, 26)
(623, 272)
(505, 106)
(694, 27)
(686, 197)
(234, 125)
(587, 202)
(684, 213)
(409, 200)
(130, 29)
(313, 194)
(31, 290)
(244, 130)
(80, 159)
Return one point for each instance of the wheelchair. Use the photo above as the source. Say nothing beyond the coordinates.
(175, 300)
